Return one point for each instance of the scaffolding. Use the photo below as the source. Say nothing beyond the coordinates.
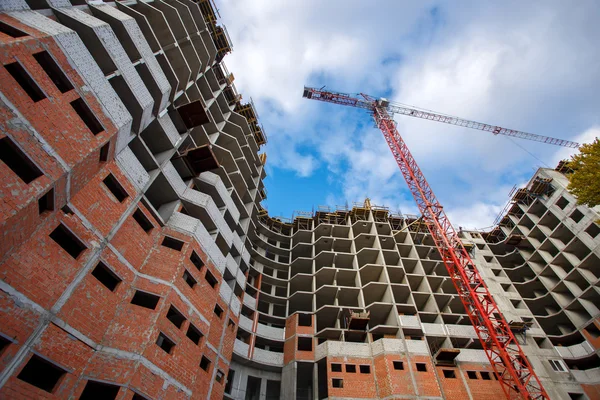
(325, 215)
(248, 111)
(218, 34)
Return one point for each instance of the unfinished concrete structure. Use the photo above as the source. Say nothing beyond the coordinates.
(137, 261)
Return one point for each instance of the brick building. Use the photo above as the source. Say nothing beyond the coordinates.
(136, 261)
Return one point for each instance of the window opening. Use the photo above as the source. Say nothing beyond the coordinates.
(175, 317)
(145, 300)
(165, 343)
(142, 221)
(194, 334)
(53, 71)
(99, 390)
(41, 373)
(67, 241)
(172, 243)
(87, 116)
(17, 161)
(27, 83)
(115, 188)
(105, 276)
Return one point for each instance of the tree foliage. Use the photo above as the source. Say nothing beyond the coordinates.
(585, 179)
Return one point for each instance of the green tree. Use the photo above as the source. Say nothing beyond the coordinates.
(585, 179)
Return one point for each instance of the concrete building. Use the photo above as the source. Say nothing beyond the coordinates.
(137, 262)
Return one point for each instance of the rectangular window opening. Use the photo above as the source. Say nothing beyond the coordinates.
(593, 230)
(365, 369)
(196, 260)
(27, 83)
(41, 373)
(219, 377)
(218, 311)
(68, 241)
(99, 390)
(165, 343)
(175, 317)
(46, 202)
(336, 367)
(142, 221)
(210, 278)
(11, 31)
(421, 367)
(399, 365)
(54, 71)
(351, 368)
(137, 396)
(449, 373)
(557, 365)
(194, 334)
(115, 188)
(172, 243)
(562, 203)
(145, 300)
(337, 383)
(472, 374)
(205, 363)
(87, 116)
(305, 344)
(189, 279)
(576, 215)
(485, 375)
(106, 277)
(304, 320)
(17, 161)
(4, 343)
(104, 152)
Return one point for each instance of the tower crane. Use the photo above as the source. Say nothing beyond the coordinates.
(515, 374)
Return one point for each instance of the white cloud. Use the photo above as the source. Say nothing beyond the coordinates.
(530, 66)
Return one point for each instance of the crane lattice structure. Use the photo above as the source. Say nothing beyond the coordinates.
(514, 372)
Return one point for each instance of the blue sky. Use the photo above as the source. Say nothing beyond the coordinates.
(532, 66)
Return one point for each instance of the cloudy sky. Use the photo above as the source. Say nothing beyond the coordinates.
(532, 66)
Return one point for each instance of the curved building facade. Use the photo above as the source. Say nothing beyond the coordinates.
(137, 262)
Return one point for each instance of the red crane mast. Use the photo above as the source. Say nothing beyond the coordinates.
(514, 372)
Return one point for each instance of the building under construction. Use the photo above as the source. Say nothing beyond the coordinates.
(137, 262)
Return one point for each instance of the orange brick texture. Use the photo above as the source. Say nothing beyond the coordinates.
(54, 307)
